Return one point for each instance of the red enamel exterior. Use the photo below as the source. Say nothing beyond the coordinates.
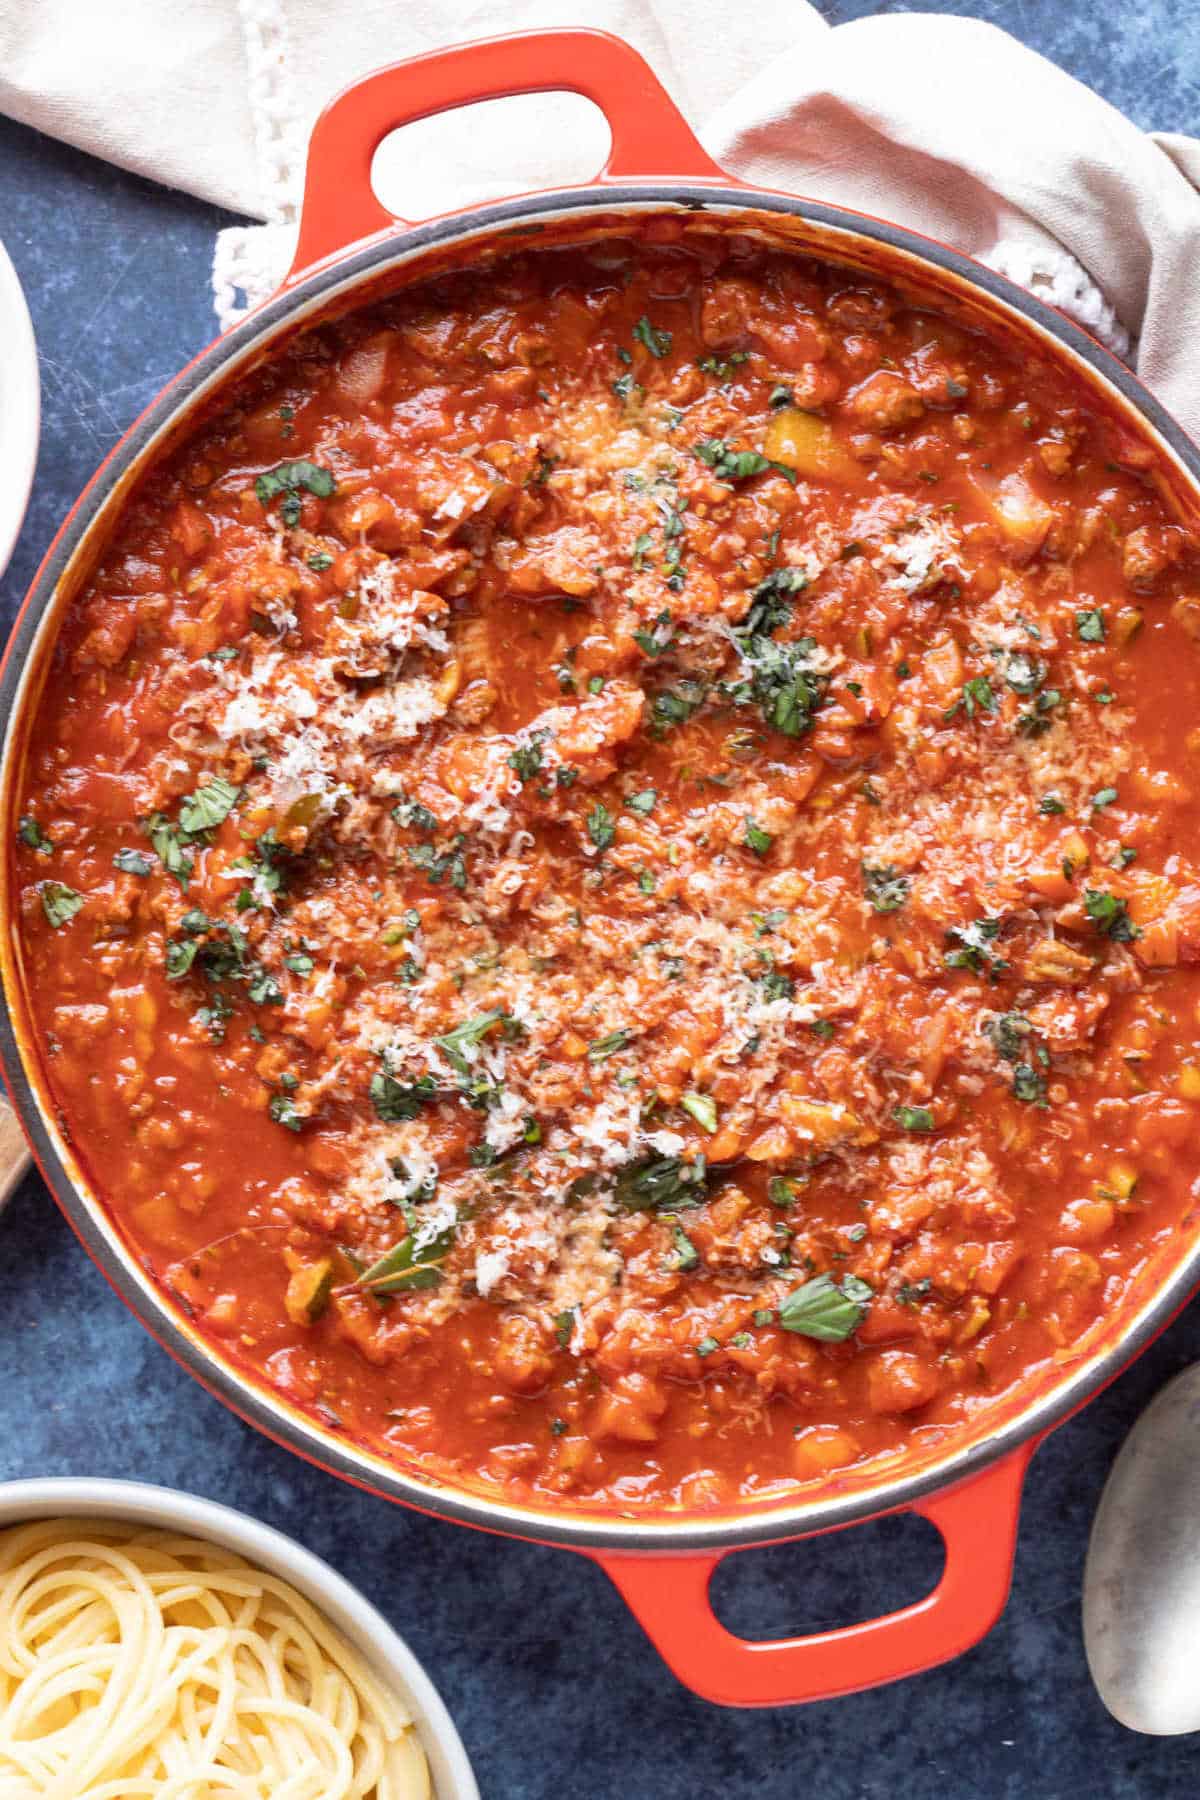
(666, 1590)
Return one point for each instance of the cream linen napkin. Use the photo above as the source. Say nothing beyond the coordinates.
(940, 123)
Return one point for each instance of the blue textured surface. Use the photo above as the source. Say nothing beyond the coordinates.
(554, 1688)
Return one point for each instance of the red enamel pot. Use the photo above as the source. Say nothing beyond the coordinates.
(350, 250)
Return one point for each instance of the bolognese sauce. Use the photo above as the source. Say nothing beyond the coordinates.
(608, 873)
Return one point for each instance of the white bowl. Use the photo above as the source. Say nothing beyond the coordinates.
(20, 407)
(139, 1504)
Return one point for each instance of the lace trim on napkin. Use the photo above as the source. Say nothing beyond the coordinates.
(1055, 277)
(249, 261)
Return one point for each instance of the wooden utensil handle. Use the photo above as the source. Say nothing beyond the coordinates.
(14, 1151)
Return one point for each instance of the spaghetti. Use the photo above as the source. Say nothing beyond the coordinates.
(141, 1665)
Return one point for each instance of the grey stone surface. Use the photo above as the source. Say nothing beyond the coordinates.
(555, 1689)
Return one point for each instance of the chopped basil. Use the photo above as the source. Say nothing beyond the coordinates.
(181, 954)
(31, 833)
(411, 1264)
(913, 1118)
(319, 561)
(133, 862)
(1090, 625)
(449, 865)
(686, 1254)
(722, 366)
(756, 839)
(1023, 673)
(762, 1315)
(642, 803)
(300, 963)
(288, 478)
(526, 759)
(703, 1108)
(624, 387)
(822, 1309)
(706, 1346)
(214, 1017)
(173, 853)
(675, 706)
(208, 807)
(727, 464)
(909, 1292)
(395, 1101)
(282, 1109)
(658, 343)
(564, 1326)
(785, 681)
(975, 947)
(661, 1184)
(1008, 1033)
(264, 990)
(600, 826)
(1052, 803)
(604, 1047)
(1037, 720)
(885, 887)
(1110, 915)
(653, 643)
(776, 985)
(457, 1045)
(1028, 1085)
(641, 548)
(1102, 798)
(977, 696)
(784, 1190)
(60, 903)
(780, 396)
(416, 817)
(955, 390)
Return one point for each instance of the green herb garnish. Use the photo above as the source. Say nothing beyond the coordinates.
(825, 1310)
(913, 1118)
(658, 343)
(885, 887)
(208, 807)
(600, 826)
(1110, 915)
(703, 1108)
(661, 1184)
(60, 903)
(31, 833)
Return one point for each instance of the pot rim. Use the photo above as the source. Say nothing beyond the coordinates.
(757, 1522)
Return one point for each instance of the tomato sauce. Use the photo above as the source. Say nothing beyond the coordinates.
(606, 874)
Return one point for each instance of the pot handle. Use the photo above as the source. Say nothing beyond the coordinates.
(668, 1595)
(650, 136)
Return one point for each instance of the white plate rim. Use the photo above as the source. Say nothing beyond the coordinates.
(142, 1503)
(20, 407)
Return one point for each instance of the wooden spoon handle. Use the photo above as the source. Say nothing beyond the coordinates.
(14, 1151)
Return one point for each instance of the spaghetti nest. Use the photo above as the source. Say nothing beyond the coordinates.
(146, 1666)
